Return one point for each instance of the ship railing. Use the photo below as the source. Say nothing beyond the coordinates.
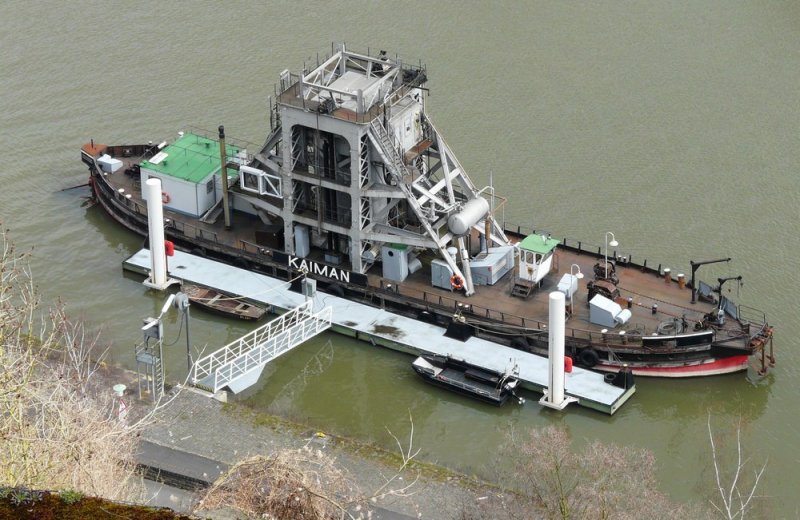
(292, 97)
(597, 250)
(185, 229)
(754, 320)
(241, 144)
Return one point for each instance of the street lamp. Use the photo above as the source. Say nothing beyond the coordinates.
(579, 276)
(613, 243)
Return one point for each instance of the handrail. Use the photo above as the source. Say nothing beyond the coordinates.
(204, 366)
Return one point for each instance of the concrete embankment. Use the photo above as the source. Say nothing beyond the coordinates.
(195, 439)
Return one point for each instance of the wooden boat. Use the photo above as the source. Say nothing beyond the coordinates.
(356, 188)
(466, 379)
(222, 304)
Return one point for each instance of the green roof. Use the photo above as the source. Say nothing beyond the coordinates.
(191, 158)
(539, 244)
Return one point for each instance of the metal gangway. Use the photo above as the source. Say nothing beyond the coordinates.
(240, 363)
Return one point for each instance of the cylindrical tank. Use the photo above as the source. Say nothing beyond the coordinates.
(471, 213)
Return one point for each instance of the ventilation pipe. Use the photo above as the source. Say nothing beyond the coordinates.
(554, 394)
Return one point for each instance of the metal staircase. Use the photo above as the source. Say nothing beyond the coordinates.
(239, 364)
(400, 172)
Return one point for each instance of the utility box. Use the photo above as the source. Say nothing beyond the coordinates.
(309, 286)
(568, 285)
(395, 262)
(489, 267)
(607, 313)
(108, 164)
(441, 274)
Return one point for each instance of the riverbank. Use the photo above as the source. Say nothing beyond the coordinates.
(198, 438)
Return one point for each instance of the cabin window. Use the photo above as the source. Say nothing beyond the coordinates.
(210, 186)
(250, 182)
(529, 257)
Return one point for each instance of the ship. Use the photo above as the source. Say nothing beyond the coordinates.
(355, 187)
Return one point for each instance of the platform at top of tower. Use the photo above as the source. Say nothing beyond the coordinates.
(351, 86)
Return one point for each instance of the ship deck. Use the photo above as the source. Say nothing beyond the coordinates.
(490, 302)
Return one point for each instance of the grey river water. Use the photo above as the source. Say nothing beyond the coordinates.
(672, 124)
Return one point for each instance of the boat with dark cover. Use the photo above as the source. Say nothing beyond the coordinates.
(356, 188)
(466, 379)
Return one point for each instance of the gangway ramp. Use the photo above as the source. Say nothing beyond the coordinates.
(239, 364)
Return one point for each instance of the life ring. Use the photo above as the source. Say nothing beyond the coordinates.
(456, 282)
(165, 198)
(588, 357)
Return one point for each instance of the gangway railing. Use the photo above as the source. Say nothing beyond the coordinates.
(257, 348)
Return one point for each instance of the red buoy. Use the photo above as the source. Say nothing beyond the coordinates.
(567, 364)
(169, 248)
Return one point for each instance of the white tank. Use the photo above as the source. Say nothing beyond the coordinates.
(471, 213)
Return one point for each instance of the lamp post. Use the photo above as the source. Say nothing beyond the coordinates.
(613, 243)
(579, 276)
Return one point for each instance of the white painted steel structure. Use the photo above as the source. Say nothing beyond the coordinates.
(361, 165)
(155, 222)
(554, 395)
(238, 364)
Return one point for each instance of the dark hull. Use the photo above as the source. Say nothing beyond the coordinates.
(475, 382)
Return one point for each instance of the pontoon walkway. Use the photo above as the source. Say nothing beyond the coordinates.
(384, 328)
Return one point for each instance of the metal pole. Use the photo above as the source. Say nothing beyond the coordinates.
(182, 303)
(224, 175)
(188, 342)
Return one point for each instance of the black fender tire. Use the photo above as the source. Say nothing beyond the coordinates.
(520, 344)
(241, 263)
(588, 357)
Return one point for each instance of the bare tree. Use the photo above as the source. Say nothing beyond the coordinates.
(737, 494)
(58, 426)
(552, 480)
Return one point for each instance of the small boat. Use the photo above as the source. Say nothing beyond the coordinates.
(478, 382)
(221, 303)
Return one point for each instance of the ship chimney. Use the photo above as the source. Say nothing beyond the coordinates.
(224, 175)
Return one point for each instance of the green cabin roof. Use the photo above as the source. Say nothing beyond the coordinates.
(191, 158)
(539, 244)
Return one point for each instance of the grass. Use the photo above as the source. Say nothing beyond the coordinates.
(26, 504)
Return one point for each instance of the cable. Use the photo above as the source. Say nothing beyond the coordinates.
(180, 329)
